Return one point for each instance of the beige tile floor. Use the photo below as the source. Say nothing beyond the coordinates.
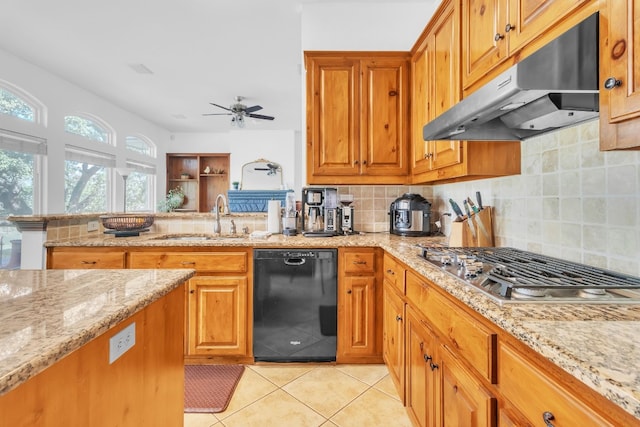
(310, 395)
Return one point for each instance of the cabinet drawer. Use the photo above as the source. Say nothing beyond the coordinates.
(534, 394)
(417, 290)
(85, 260)
(394, 273)
(223, 262)
(460, 331)
(359, 262)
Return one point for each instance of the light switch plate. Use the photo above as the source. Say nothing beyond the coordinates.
(121, 342)
(93, 225)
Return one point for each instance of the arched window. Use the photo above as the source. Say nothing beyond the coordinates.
(18, 103)
(89, 127)
(141, 145)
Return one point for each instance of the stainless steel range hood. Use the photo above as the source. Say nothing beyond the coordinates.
(556, 86)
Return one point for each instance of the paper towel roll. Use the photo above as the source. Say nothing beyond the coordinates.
(273, 216)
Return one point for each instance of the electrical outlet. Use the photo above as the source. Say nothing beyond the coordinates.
(121, 342)
(93, 225)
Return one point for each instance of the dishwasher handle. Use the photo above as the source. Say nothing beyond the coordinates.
(295, 261)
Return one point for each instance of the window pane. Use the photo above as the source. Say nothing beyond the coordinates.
(15, 106)
(85, 127)
(85, 187)
(139, 146)
(16, 198)
(139, 192)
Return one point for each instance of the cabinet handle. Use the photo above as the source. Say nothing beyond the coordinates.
(498, 36)
(393, 93)
(360, 262)
(429, 359)
(509, 27)
(188, 263)
(547, 417)
(398, 318)
(390, 271)
(611, 83)
(88, 262)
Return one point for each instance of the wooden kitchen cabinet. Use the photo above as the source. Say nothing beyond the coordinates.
(537, 396)
(187, 170)
(357, 117)
(393, 337)
(435, 87)
(422, 375)
(619, 71)
(218, 298)
(85, 258)
(359, 306)
(495, 30)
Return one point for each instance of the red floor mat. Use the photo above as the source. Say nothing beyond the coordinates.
(208, 388)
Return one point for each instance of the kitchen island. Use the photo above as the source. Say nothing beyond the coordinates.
(56, 332)
(591, 348)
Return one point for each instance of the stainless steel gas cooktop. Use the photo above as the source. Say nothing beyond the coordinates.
(509, 275)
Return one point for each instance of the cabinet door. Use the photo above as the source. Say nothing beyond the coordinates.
(332, 101)
(393, 336)
(384, 109)
(465, 402)
(483, 43)
(217, 317)
(421, 372)
(356, 329)
(530, 18)
(420, 84)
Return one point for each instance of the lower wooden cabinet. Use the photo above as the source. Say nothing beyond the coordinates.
(85, 258)
(422, 376)
(539, 397)
(359, 306)
(217, 320)
(464, 400)
(393, 336)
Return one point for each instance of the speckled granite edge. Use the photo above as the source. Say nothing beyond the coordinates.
(52, 350)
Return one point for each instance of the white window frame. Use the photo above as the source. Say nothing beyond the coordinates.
(98, 158)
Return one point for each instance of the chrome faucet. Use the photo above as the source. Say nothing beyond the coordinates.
(225, 211)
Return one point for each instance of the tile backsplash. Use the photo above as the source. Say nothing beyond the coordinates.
(571, 201)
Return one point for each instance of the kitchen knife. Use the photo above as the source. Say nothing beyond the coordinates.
(472, 228)
(479, 199)
(456, 210)
(472, 205)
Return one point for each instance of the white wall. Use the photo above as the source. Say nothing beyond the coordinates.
(62, 98)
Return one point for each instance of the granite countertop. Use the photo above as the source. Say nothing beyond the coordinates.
(47, 314)
(596, 343)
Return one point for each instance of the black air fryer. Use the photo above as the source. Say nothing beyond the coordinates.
(409, 215)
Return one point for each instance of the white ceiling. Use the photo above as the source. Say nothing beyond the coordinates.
(199, 51)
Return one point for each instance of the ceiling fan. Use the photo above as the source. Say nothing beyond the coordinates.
(239, 111)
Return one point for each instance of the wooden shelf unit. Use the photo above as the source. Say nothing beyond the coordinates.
(200, 188)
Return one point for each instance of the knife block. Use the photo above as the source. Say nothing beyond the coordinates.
(462, 236)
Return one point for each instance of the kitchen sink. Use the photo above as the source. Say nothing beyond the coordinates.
(199, 237)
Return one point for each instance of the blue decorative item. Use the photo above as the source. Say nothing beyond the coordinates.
(255, 200)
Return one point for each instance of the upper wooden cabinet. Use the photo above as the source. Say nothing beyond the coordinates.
(619, 75)
(435, 87)
(201, 176)
(494, 30)
(357, 117)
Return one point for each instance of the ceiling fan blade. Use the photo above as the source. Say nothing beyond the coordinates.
(260, 116)
(220, 106)
(252, 109)
(217, 114)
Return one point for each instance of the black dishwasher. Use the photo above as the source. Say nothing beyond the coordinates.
(294, 305)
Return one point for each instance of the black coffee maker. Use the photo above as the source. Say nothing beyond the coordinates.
(410, 215)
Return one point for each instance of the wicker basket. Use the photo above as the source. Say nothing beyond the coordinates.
(127, 222)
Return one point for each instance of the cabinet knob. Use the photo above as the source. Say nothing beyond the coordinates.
(509, 27)
(349, 291)
(364, 162)
(611, 83)
(547, 417)
(498, 36)
(192, 291)
(391, 272)
(398, 318)
(355, 162)
(393, 93)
